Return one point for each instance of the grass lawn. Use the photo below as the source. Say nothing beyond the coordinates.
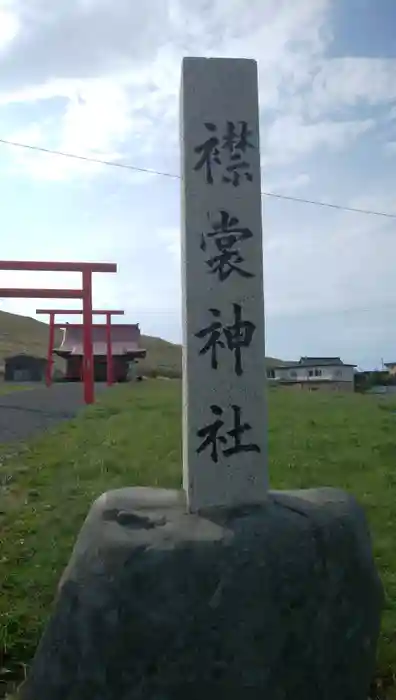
(133, 437)
(9, 387)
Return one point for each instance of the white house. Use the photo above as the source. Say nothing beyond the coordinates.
(313, 373)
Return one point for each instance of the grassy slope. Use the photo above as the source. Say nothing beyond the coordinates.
(133, 438)
(21, 334)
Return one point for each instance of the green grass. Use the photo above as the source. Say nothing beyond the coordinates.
(133, 437)
(10, 387)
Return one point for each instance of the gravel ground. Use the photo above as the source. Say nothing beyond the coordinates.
(24, 414)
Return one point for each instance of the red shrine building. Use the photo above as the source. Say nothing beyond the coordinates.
(126, 350)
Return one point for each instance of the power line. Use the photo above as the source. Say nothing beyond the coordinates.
(127, 166)
(88, 159)
(340, 207)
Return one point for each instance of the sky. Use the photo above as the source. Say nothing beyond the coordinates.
(101, 79)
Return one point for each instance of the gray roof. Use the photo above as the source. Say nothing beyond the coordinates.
(24, 356)
(315, 362)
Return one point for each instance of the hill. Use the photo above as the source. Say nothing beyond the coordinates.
(22, 334)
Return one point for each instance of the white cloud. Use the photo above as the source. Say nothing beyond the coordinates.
(289, 137)
(9, 25)
(350, 81)
(341, 267)
(36, 93)
(170, 239)
(286, 183)
(120, 95)
(300, 180)
(380, 200)
(95, 117)
(97, 111)
(120, 100)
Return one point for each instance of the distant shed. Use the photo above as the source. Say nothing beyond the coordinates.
(24, 368)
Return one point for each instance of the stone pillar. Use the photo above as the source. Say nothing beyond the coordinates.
(224, 406)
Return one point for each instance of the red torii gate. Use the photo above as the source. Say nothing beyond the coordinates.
(85, 294)
(77, 312)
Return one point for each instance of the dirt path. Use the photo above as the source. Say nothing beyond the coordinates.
(24, 414)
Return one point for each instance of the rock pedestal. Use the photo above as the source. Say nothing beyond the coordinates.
(276, 601)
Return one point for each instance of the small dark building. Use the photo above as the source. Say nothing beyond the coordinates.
(24, 368)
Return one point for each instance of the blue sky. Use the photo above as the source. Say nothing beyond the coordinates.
(101, 79)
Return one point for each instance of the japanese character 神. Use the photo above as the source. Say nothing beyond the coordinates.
(237, 335)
